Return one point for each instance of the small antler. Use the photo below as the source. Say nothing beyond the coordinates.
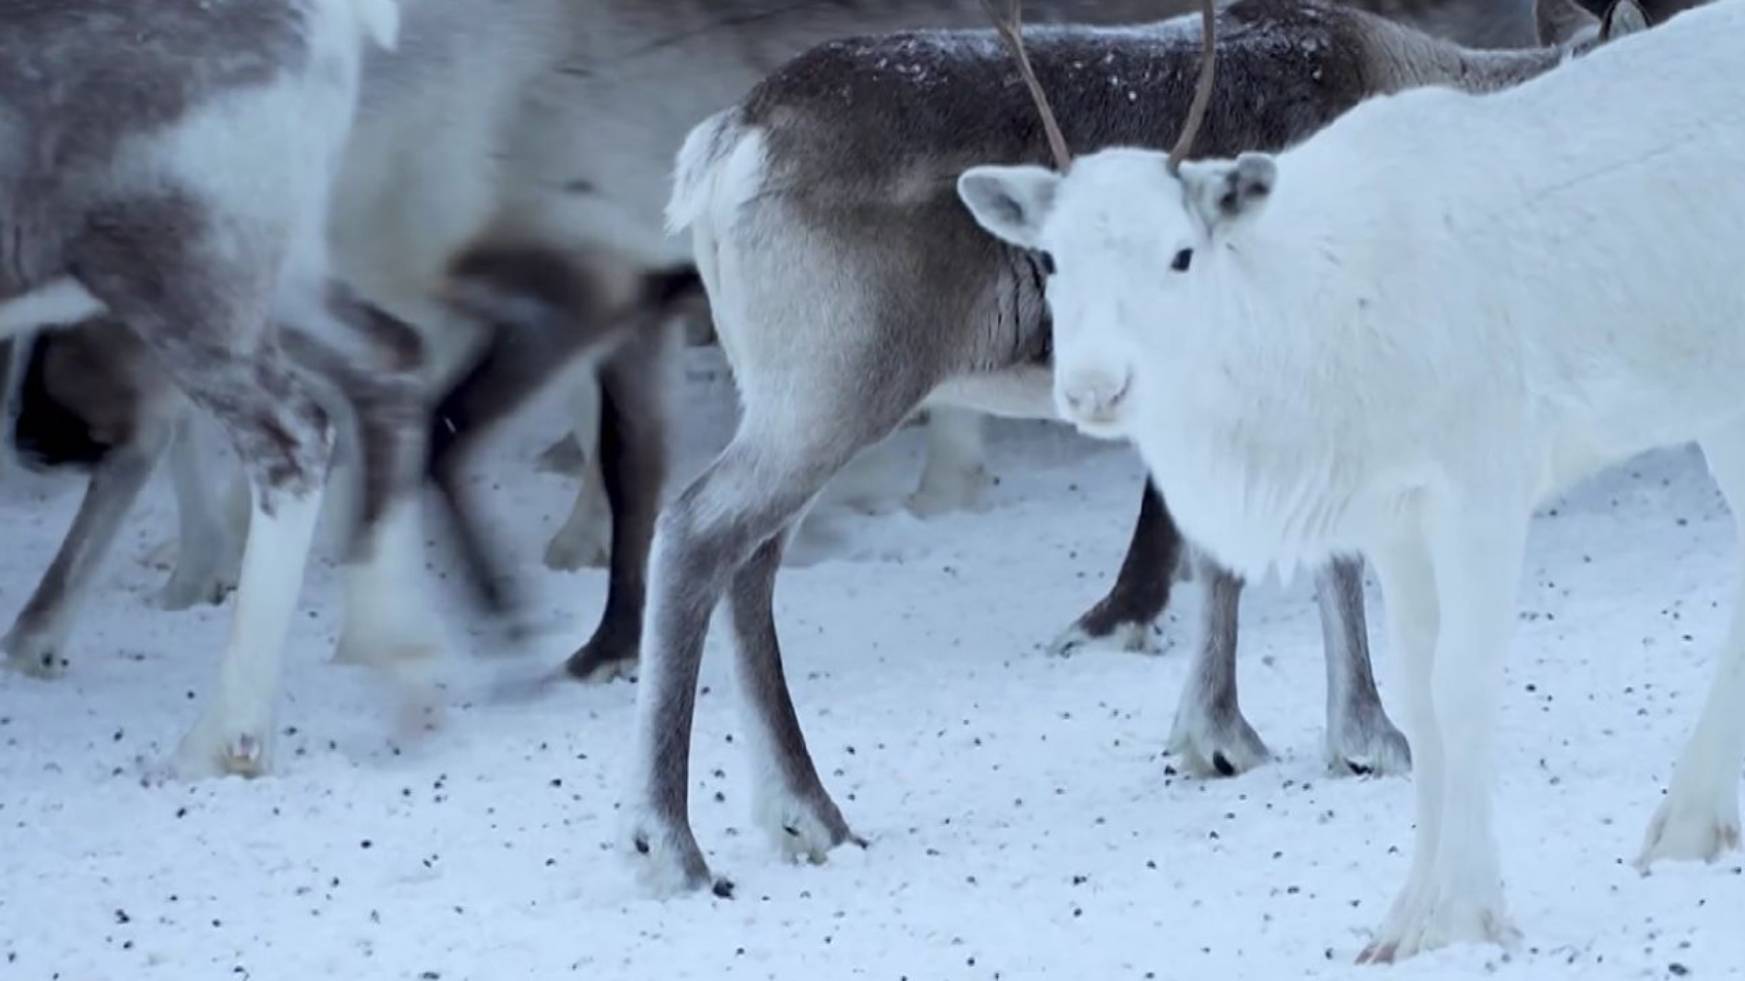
(1010, 27)
(1203, 93)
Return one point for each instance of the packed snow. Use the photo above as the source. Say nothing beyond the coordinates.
(1023, 821)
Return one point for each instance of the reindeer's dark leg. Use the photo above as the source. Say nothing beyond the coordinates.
(633, 463)
(513, 365)
(37, 642)
(156, 264)
(1210, 734)
(1141, 592)
(1361, 738)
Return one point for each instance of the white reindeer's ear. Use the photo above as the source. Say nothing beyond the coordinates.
(1224, 192)
(1624, 17)
(1010, 202)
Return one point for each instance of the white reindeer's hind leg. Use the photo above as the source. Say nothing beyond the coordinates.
(1477, 545)
(207, 546)
(1699, 819)
(955, 474)
(586, 536)
(1361, 739)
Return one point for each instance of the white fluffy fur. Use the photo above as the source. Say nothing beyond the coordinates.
(1406, 333)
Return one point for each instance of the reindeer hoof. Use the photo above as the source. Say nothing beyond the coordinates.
(667, 860)
(599, 664)
(33, 654)
(209, 751)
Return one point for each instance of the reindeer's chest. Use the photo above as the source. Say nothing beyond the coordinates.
(1260, 485)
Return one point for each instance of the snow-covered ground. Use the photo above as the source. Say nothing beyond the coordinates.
(1023, 821)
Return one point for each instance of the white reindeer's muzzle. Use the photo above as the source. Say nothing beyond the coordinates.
(1093, 398)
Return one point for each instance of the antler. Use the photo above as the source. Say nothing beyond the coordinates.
(1010, 27)
(1203, 93)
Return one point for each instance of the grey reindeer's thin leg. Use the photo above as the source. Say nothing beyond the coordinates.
(757, 488)
(1361, 739)
(37, 642)
(633, 463)
(1210, 735)
(1129, 613)
(789, 802)
(207, 550)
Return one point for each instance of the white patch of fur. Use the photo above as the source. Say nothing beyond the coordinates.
(235, 731)
(1396, 352)
(60, 303)
(955, 475)
(387, 622)
(586, 536)
(381, 20)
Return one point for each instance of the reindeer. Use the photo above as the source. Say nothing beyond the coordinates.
(1429, 347)
(154, 176)
(838, 174)
(481, 137)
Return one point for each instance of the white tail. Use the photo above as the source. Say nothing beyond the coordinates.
(700, 162)
(381, 18)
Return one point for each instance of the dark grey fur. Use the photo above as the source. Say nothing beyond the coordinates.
(862, 143)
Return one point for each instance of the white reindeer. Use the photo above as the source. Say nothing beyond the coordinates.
(1401, 335)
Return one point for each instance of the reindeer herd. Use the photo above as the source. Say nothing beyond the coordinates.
(1346, 275)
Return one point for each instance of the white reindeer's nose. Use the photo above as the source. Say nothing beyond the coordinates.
(1094, 396)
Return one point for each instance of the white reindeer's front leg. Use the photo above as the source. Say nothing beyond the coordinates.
(1408, 588)
(1699, 819)
(1455, 892)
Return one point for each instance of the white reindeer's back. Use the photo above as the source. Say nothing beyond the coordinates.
(1574, 244)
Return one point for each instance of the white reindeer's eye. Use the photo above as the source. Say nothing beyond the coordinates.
(1182, 260)
(1047, 262)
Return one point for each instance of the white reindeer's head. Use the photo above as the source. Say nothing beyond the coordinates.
(1129, 224)
(1121, 234)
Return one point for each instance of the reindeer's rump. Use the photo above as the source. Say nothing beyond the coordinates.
(905, 114)
(83, 74)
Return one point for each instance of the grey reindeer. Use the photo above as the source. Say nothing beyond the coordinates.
(849, 285)
(171, 163)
